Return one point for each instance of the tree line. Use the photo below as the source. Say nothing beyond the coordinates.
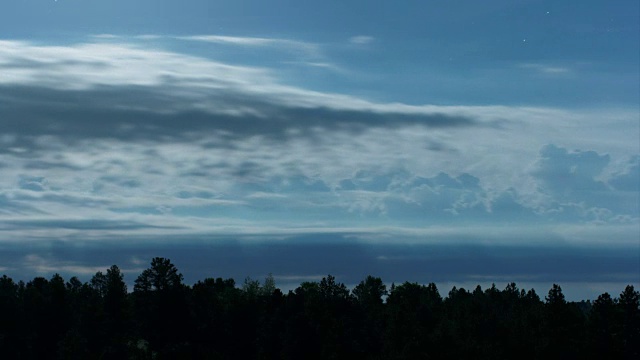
(163, 318)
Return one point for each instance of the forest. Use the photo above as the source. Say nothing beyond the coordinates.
(216, 318)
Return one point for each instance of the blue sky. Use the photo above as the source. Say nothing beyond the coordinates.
(456, 142)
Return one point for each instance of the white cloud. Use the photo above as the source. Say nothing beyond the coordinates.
(306, 48)
(236, 40)
(105, 36)
(546, 69)
(361, 39)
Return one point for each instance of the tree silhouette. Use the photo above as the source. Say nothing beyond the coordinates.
(213, 303)
(161, 276)
(161, 307)
(116, 314)
(331, 290)
(565, 327)
(413, 315)
(630, 307)
(165, 319)
(370, 291)
(604, 327)
(10, 318)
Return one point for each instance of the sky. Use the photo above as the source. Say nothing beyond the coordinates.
(456, 142)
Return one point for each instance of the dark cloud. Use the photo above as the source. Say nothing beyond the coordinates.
(246, 170)
(314, 255)
(49, 165)
(33, 183)
(49, 65)
(85, 224)
(126, 182)
(8, 205)
(195, 194)
(154, 113)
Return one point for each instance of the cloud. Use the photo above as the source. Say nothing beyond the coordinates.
(105, 36)
(125, 140)
(129, 91)
(628, 179)
(84, 224)
(361, 40)
(276, 50)
(235, 117)
(33, 183)
(570, 173)
(134, 81)
(307, 48)
(40, 265)
(546, 69)
(304, 258)
(572, 180)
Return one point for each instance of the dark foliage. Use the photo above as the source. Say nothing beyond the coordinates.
(214, 319)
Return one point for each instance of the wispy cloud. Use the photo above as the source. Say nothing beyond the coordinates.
(105, 36)
(361, 39)
(546, 69)
(307, 48)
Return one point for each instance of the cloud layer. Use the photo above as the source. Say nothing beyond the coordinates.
(108, 139)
